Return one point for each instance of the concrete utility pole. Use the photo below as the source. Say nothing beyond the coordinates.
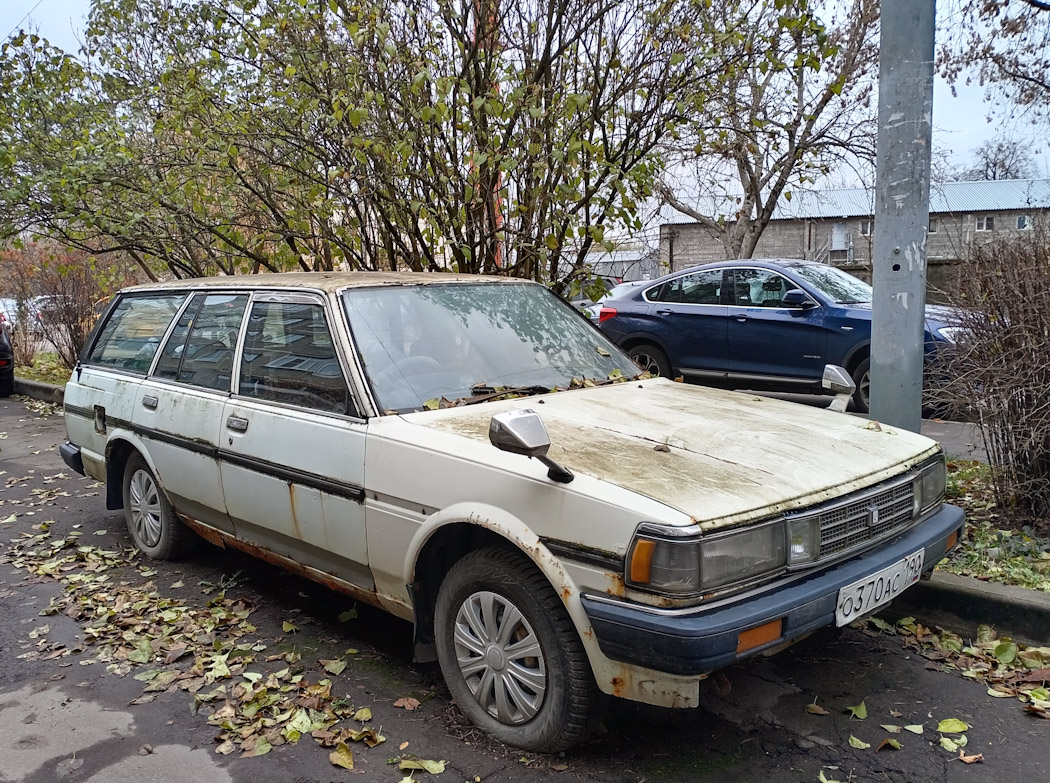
(902, 210)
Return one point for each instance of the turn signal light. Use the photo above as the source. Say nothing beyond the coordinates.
(641, 561)
(953, 539)
(606, 313)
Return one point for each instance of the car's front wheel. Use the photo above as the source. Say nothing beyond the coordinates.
(862, 379)
(511, 656)
(651, 358)
(151, 520)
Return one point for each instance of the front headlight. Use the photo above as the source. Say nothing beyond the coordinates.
(928, 487)
(663, 560)
(952, 334)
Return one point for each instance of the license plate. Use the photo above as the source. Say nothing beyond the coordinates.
(871, 592)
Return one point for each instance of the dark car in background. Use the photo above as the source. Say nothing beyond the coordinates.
(756, 324)
(7, 362)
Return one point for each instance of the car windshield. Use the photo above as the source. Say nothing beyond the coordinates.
(422, 343)
(836, 285)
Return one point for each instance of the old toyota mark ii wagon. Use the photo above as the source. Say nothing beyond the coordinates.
(374, 432)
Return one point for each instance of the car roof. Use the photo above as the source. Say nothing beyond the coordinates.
(762, 263)
(324, 281)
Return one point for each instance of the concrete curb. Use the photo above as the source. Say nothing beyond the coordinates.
(38, 390)
(960, 603)
(955, 602)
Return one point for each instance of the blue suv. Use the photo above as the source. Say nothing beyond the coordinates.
(754, 324)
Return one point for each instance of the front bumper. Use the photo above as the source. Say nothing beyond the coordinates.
(696, 641)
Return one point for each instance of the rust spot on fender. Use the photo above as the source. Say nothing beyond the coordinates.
(617, 686)
(616, 585)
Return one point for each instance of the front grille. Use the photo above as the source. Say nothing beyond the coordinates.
(855, 523)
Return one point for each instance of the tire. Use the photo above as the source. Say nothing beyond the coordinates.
(862, 378)
(7, 384)
(553, 701)
(650, 357)
(154, 528)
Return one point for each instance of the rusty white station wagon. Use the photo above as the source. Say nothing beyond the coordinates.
(475, 457)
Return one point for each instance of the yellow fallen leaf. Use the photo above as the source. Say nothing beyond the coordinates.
(970, 759)
(342, 756)
(859, 711)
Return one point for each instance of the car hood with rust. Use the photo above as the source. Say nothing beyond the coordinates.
(720, 457)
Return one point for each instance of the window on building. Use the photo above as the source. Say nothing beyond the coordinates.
(934, 225)
(867, 228)
(985, 223)
(1024, 222)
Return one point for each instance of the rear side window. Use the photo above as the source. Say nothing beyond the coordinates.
(289, 357)
(133, 331)
(200, 349)
(698, 288)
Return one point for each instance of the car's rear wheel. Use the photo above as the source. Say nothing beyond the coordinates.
(862, 378)
(511, 656)
(151, 520)
(651, 358)
(7, 384)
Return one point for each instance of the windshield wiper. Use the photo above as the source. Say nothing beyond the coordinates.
(482, 392)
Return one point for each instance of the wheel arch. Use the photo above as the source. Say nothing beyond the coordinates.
(856, 355)
(118, 452)
(459, 530)
(641, 338)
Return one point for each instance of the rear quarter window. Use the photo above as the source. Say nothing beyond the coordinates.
(133, 332)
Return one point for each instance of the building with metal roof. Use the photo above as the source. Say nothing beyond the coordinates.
(837, 226)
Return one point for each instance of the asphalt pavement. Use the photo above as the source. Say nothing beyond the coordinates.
(68, 713)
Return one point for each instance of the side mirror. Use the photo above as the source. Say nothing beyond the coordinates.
(796, 297)
(839, 382)
(522, 432)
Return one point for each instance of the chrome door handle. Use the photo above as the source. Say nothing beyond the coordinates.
(237, 424)
(665, 312)
(742, 318)
(149, 401)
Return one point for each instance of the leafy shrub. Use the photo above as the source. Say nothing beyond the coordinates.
(999, 371)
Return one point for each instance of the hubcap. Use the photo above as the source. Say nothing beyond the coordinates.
(646, 363)
(500, 658)
(145, 508)
(864, 387)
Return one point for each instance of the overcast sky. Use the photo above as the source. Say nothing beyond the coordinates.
(960, 122)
